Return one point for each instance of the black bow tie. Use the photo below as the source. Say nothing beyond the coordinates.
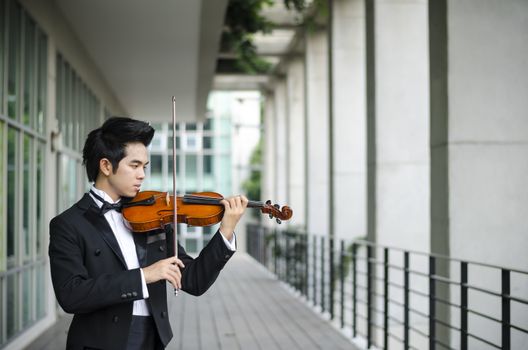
(107, 206)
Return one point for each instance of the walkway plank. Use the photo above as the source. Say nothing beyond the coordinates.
(246, 309)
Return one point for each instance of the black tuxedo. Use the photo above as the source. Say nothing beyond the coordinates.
(91, 280)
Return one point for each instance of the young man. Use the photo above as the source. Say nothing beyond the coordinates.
(112, 279)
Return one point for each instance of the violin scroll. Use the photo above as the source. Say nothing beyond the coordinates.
(275, 211)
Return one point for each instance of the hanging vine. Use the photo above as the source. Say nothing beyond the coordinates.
(243, 20)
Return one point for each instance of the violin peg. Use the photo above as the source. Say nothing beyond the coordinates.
(277, 206)
(271, 216)
(279, 221)
(268, 202)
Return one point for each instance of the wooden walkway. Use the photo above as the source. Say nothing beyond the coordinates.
(247, 308)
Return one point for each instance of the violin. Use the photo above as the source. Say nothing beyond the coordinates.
(151, 210)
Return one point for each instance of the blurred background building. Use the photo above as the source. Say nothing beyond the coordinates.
(398, 122)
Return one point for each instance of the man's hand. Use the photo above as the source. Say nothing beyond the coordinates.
(166, 269)
(234, 208)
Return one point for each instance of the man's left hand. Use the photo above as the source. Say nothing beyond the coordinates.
(234, 209)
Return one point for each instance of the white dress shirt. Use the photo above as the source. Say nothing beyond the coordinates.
(128, 247)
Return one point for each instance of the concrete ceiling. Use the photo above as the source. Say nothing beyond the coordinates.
(151, 50)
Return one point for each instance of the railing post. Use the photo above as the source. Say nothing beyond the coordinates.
(406, 300)
(332, 275)
(314, 285)
(296, 260)
(506, 309)
(463, 306)
(385, 298)
(432, 302)
(307, 271)
(369, 296)
(342, 282)
(287, 258)
(275, 251)
(354, 290)
(322, 274)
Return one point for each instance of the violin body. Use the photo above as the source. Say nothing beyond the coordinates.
(152, 215)
(151, 210)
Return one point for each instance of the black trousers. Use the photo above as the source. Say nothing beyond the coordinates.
(143, 334)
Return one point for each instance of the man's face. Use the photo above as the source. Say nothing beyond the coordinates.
(130, 173)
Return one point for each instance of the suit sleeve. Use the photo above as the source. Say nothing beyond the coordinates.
(75, 289)
(200, 273)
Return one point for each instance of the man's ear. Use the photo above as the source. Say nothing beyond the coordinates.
(105, 166)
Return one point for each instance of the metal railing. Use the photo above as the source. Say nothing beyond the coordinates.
(394, 298)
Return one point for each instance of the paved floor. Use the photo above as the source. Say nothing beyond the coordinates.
(245, 309)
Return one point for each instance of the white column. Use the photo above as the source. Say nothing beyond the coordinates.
(268, 151)
(296, 146)
(402, 143)
(317, 176)
(402, 124)
(280, 143)
(349, 99)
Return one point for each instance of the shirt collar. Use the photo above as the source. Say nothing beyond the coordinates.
(103, 195)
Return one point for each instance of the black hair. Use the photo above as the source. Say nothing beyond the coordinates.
(110, 140)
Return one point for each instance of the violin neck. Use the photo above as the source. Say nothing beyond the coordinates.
(193, 199)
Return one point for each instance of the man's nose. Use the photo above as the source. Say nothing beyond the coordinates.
(141, 173)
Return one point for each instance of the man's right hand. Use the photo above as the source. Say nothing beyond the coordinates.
(166, 269)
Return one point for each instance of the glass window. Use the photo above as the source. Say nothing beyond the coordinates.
(42, 80)
(191, 245)
(190, 126)
(178, 161)
(12, 139)
(13, 63)
(223, 144)
(208, 142)
(26, 297)
(3, 51)
(26, 195)
(29, 71)
(169, 142)
(208, 125)
(191, 170)
(41, 300)
(40, 199)
(12, 302)
(208, 164)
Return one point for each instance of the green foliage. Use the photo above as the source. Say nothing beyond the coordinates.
(252, 185)
(242, 21)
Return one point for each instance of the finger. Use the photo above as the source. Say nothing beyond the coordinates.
(171, 260)
(175, 278)
(245, 201)
(180, 263)
(226, 204)
(238, 202)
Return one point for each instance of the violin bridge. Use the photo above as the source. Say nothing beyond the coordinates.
(167, 199)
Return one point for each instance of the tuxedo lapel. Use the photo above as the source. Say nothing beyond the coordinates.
(141, 248)
(93, 215)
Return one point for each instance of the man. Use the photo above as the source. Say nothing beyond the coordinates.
(113, 280)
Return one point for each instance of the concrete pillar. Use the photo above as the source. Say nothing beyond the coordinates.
(317, 148)
(280, 158)
(399, 145)
(268, 151)
(296, 146)
(402, 123)
(480, 144)
(349, 118)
